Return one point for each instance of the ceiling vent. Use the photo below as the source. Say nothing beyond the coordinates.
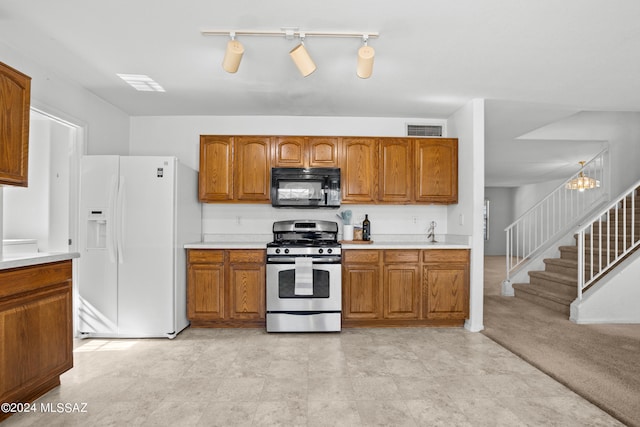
(424, 130)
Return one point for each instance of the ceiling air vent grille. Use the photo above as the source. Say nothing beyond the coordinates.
(424, 130)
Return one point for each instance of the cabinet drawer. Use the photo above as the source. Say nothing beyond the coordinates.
(445, 255)
(247, 256)
(401, 256)
(205, 256)
(364, 256)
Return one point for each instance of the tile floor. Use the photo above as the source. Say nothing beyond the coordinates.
(359, 377)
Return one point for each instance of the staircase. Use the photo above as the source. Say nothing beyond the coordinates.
(557, 286)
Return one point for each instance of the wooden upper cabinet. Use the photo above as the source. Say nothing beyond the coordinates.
(373, 170)
(252, 164)
(359, 168)
(15, 98)
(396, 170)
(216, 168)
(323, 152)
(436, 170)
(304, 152)
(289, 152)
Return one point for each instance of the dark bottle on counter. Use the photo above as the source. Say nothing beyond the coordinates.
(366, 228)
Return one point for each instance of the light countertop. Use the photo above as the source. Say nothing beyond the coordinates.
(379, 242)
(33, 258)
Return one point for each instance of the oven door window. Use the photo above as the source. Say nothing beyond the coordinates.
(287, 284)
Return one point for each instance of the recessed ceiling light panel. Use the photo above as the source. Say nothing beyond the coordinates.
(142, 82)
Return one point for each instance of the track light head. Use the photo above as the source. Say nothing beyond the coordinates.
(302, 59)
(233, 55)
(366, 55)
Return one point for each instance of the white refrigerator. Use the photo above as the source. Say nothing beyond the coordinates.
(137, 212)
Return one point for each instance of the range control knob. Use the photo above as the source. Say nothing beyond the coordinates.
(329, 251)
(278, 250)
(286, 251)
(320, 250)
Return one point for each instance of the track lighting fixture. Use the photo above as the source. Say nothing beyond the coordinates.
(302, 59)
(233, 54)
(365, 59)
(299, 54)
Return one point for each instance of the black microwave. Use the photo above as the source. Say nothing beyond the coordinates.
(305, 187)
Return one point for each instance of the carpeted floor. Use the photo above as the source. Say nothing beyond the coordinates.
(599, 362)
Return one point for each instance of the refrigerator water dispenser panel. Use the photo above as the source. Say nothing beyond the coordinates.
(96, 229)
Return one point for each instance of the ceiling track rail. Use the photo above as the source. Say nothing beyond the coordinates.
(290, 33)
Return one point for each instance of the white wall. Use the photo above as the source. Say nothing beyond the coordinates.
(621, 130)
(613, 299)
(466, 218)
(41, 210)
(26, 209)
(256, 220)
(107, 126)
(526, 196)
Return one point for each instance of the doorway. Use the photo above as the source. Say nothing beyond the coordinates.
(46, 210)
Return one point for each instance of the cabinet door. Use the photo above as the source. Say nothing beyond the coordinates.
(361, 297)
(359, 170)
(446, 291)
(401, 292)
(36, 329)
(252, 168)
(15, 96)
(35, 337)
(396, 170)
(289, 152)
(437, 170)
(205, 292)
(323, 152)
(247, 291)
(215, 181)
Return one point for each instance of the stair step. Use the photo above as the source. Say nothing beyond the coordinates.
(555, 283)
(571, 252)
(543, 297)
(567, 267)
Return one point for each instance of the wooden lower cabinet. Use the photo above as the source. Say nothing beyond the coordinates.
(446, 285)
(405, 287)
(247, 285)
(226, 288)
(36, 330)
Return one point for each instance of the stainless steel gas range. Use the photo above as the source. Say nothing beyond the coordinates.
(304, 277)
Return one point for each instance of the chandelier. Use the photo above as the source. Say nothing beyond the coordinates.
(582, 182)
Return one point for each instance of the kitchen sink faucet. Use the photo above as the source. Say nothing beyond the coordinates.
(431, 232)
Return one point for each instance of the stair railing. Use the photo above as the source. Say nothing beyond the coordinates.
(600, 250)
(555, 215)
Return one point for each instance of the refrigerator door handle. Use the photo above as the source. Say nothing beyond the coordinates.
(111, 218)
(120, 220)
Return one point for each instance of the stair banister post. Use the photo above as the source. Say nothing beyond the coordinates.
(580, 262)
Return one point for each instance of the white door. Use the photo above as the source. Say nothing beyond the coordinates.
(146, 258)
(97, 267)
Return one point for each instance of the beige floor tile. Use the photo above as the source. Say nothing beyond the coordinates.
(375, 388)
(331, 389)
(284, 413)
(359, 377)
(385, 413)
(333, 414)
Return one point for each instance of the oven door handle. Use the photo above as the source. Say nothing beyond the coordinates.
(315, 260)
